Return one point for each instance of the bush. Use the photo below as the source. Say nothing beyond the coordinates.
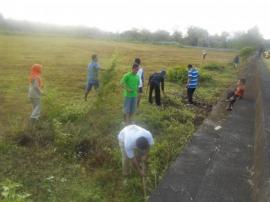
(12, 191)
(52, 108)
(213, 67)
(246, 52)
(178, 74)
(64, 112)
(205, 77)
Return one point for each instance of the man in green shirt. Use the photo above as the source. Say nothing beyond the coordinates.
(130, 82)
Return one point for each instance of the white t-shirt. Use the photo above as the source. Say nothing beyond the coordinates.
(130, 134)
(140, 74)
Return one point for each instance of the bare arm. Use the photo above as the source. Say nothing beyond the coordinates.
(137, 166)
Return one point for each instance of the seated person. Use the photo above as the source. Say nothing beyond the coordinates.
(238, 93)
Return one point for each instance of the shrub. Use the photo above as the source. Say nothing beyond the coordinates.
(205, 77)
(246, 52)
(213, 67)
(178, 74)
(12, 191)
(51, 106)
(63, 112)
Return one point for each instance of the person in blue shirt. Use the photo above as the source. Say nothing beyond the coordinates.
(92, 77)
(192, 82)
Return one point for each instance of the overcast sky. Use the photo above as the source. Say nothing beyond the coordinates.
(119, 15)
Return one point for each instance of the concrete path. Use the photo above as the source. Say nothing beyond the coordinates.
(218, 165)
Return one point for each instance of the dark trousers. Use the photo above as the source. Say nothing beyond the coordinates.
(232, 97)
(154, 86)
(190, 92)
(233, 100)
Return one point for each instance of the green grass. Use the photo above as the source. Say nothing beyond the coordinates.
(267, 61)
(49, 166)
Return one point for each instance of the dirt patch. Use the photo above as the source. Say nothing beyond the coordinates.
(198, 120)
(83, 149)
(201, 109)
(92, 152)
(24, 139)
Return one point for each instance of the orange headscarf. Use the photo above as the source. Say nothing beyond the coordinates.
(35, 74)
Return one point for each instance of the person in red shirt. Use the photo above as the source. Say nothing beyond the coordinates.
(238, 93)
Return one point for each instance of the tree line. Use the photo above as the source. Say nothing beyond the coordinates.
(195, 36)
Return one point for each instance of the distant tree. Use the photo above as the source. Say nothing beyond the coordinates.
(219, 41)
(161, 35)
(267, 44)
(224, 39)
(177, 36)
(254, 37)
(251, 38)
(146, 35)
(197, 36)
(2, 22)
(131, 34)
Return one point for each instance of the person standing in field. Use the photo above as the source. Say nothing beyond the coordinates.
(204, 54)
(155, 81)
(236, 61)
(192, 82)
(134, 142)
(130, 82)
(92, 76)
(35, 91)
(140, 73)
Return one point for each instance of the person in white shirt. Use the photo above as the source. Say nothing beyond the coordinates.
(204, 53)
(140, 73)
(134, 142)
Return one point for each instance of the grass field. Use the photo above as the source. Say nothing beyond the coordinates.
(72, 153)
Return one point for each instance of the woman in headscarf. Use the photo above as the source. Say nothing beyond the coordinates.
(35, 90)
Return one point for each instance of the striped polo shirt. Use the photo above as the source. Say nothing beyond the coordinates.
(193, 76)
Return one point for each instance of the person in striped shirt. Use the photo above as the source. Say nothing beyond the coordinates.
(192, 82)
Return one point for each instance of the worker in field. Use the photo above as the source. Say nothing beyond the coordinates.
(130, 82)
(156, 81)
(134, 142)
(236, 61)
(192, 82)
(140, 73)
(35, 90)
(92, 76)
(204, 54)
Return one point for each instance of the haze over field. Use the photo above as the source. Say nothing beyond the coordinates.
(120, 15)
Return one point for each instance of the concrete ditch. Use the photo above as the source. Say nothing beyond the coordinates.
(261, 164)
(231, 164)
